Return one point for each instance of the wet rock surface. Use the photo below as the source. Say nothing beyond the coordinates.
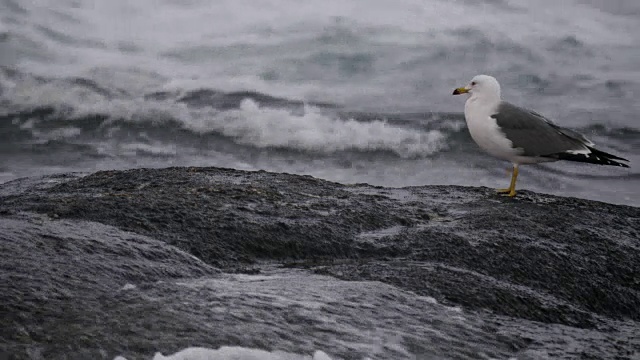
(87, 256)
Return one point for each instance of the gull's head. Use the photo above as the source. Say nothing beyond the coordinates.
(481, 85)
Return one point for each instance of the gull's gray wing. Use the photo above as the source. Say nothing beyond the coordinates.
(535, 134)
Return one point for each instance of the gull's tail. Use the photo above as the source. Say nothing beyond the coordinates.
(593, 156)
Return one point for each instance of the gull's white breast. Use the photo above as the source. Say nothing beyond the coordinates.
(485, 130)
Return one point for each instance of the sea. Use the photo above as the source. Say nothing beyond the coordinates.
(352, 91)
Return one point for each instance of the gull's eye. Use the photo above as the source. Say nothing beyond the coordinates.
(473, 83)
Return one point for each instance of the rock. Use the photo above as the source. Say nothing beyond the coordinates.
(540, 260)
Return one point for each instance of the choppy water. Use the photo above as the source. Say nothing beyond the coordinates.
(352, 91)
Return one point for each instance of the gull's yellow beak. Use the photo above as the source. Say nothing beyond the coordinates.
(460, 90)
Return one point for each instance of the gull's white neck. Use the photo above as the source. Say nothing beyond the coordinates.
(483, 104)
(487, 97)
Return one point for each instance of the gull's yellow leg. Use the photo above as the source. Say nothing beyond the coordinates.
(505, 190)
(511, 191)
(514, 177)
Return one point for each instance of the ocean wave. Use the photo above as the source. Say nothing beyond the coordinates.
(314, 131)
(40, 109)
(249, 125)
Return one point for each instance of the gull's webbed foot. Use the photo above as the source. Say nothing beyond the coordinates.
(508, 192)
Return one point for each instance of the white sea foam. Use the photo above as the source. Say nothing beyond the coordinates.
(235, 353)
(157, 149)
(128, 287)
(315, 131)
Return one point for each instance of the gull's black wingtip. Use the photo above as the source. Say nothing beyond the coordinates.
(594, 156)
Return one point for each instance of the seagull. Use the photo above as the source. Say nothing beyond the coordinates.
(521, 136)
